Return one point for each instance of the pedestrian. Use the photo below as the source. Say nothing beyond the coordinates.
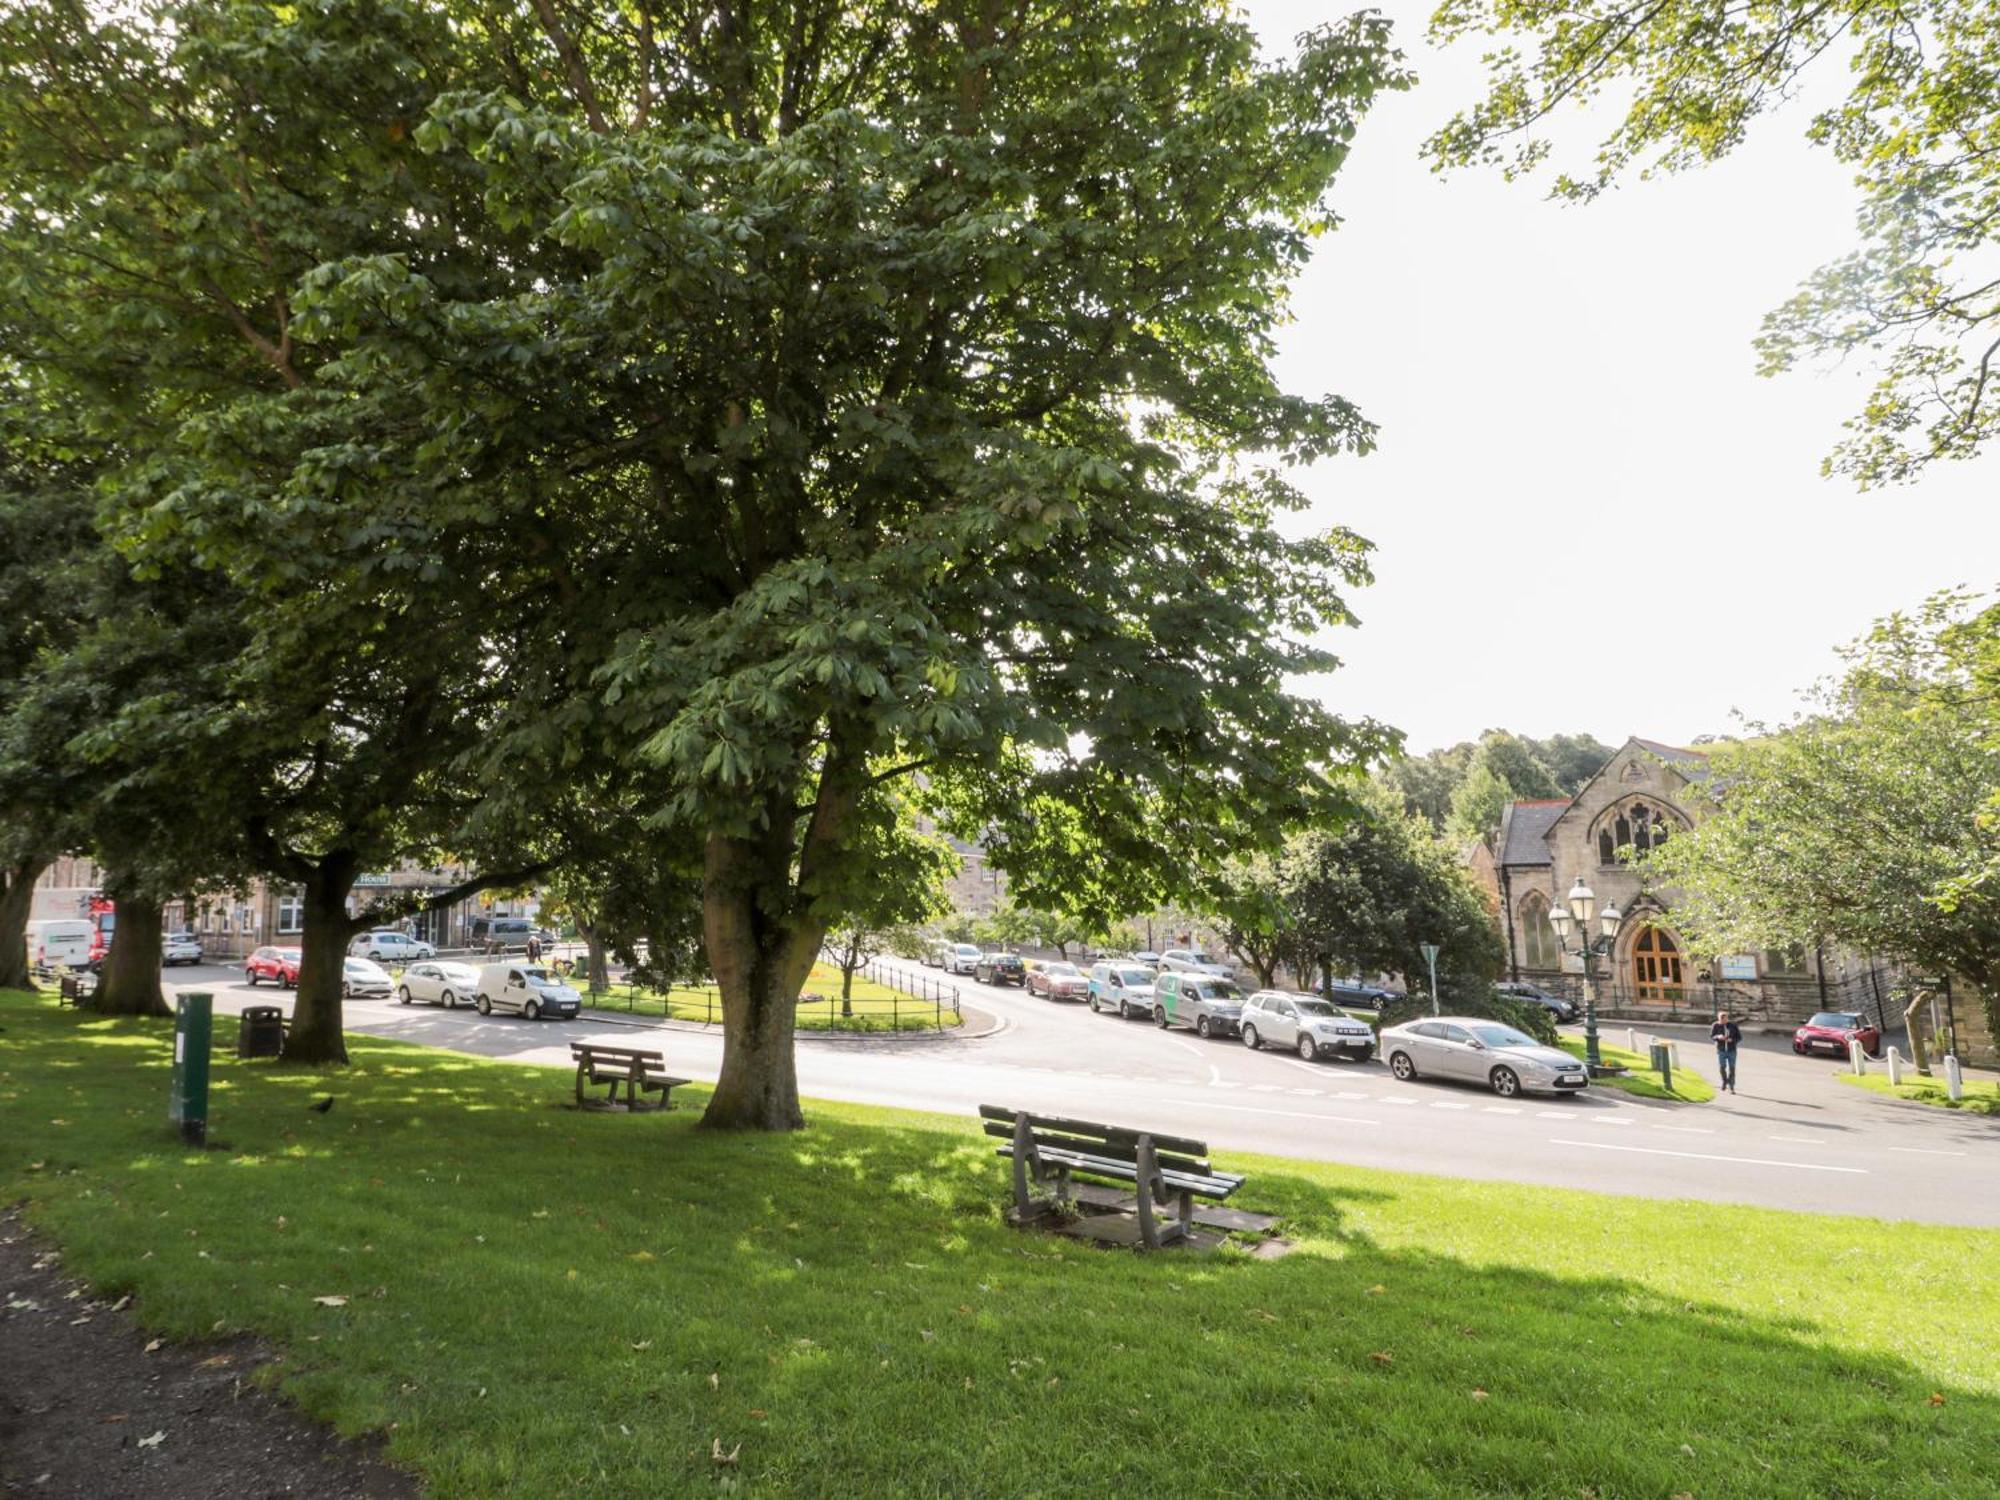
(1725, 1033)
(534, 948)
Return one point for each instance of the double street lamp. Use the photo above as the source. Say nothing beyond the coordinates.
(1577, 914)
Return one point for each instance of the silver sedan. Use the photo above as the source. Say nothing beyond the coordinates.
(1475, 1050)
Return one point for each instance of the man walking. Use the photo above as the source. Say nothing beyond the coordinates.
(1725, 1033)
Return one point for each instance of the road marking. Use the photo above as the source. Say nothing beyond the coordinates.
(1553, 1114)
(1214, 1075)
(1608, 1120)
(1311, 1093)
(1925, 1151)
(1440, 1104)
(1289, 1114)
(1747, 1161)
(1797, 1140)
(1500, 1109)
(1185, 1045)
(1687, 1129)
(1267, 1088)
(1410, 1102)
(1350, 1094)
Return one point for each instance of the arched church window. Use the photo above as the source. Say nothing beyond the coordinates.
(1537, 938)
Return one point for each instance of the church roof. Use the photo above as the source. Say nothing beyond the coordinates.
(1670, 752)
(1524, 830)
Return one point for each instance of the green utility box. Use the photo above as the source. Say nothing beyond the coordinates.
(1663, 1064)
(194, 1020)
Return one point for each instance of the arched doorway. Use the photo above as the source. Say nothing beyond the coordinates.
(1656, 967)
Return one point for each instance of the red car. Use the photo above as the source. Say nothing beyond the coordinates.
(1830, 1031)
(1059, 981)
(279, 965)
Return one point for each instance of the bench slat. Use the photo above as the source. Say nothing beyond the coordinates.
(1086, 1128)
(1116, 1150)
(1211, 1185)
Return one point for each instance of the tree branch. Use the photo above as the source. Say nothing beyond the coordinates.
(572, 61)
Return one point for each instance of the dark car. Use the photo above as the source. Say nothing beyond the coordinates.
(1529, 994)
(1000, 968)
(1829, 1032)
(1352, 993)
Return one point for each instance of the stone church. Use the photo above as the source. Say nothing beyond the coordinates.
(1641, 797)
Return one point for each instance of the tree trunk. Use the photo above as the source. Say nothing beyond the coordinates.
(847, 982)
(598, 965)
(130, 984)
(318, 1034)
(760, 963)
(17, 899)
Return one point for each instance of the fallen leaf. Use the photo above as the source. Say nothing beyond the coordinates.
(216, 1362)
(1054, 1381)
(117, 1416)
(714, 1381)
(1383, 1357)
(641, 1255)
(570, 1275)
(331, 1301)
(154, 1345)
(716, 1455)
(1377, 1290)
(759, 1413)
(1479, 1393)
(1261, 1314)
(154, 1441)
(643, 1344)
(1937, 1398)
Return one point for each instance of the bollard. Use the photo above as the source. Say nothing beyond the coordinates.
(1954, 1080)
(1631, 1040)
(1663, 1061)
(187, 1105)
(1858, 1056)
(1895, 1068)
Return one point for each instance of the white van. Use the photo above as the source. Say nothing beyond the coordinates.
(60, 940)
(525, 989)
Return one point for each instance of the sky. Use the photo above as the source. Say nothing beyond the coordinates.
(1590, 512)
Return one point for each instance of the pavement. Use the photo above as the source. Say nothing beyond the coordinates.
(1792, 1137)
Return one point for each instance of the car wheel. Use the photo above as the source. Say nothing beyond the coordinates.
(1307, 1049)
(1124, 1011)
(403, 994)
(346, 991)
(1160, 1015)
(250, 975)
(531, 1011)
(1401, 1066)
(1201, 1027)
(1506, 1083)
(1250, 1038)
(449, 1000)
(485, 1006)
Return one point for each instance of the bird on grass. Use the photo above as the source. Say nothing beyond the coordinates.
(324, 1105)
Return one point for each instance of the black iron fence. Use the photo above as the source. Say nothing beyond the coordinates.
(1879, 994)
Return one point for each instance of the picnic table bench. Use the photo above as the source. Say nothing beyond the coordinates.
(641, 1070)
(1162, 1169)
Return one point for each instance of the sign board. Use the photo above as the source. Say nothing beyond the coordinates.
(368, 879)
(1737, 966)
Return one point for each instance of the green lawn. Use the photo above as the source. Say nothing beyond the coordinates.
(876, 1007)
(1689, 1086)
(1982, 1096)
(543, 1302)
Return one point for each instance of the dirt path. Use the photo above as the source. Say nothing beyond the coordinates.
(86, 1411)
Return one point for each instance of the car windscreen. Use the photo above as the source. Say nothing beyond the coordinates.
(1319, 1008)
(1210, 990)
(1502, 1036)
(1835, 1019)
(541, 979)
(1135, 976)
(1061, 971)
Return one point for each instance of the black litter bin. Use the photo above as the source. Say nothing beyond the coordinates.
(260, 1032)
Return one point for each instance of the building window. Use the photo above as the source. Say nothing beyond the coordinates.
(1537, 938)
(1786, 962)
(1640, 827)
(292, 912)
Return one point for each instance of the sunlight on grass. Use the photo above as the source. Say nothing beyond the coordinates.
(1982, 1096)
(542, 1301)
(1643, 1080)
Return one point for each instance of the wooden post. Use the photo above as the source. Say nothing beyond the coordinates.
(1024, 1149)
(1148, 1174)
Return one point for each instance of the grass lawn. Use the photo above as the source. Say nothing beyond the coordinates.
(544, 1302)
(876, 1006)
(1689, 1086)
(1982, 1096)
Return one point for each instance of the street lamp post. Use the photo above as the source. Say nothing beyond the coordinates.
(1577, 913)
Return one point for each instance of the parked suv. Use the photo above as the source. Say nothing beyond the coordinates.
(180, 948)
(1000, 968)
(1192, 961)
(1212, 1006)
(1307, 1023)
(279, 965)
(501, 934)
(388, 944)
(1125, 988)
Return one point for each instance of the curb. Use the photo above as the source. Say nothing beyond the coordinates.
(961, 1033)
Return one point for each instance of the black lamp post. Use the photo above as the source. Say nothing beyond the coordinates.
(1577, 913)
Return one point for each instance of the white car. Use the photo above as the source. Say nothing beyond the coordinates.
(1193, 961)
(959, 958)
(527, 990)
(180, 948)
(396, 947)
(1480, 1051)
(435, 982)
(1126, 989)
(361, 980)
(1314, 1026)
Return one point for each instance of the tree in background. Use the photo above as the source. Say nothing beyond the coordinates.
(1691, 79)
(1253, 903)
(1868, 823)
(913, 871)
(1463, 789)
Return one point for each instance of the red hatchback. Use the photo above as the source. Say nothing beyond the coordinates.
(279, 965)
(1830, 1031)
(1059, 981)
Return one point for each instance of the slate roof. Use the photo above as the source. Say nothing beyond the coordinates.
(1525, 831)
(1670, 753)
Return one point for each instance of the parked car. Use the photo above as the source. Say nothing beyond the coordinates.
(180, 948)
(528, 990)
(1478, 1051)
(1312, 1026)
(1357, 995)
(1192, 961)
(439, 982)
(1529, 994)
(1058, 981)
(958, 958)
(500, 934)
(363, 979)
(1147, 957)
(388, 944)
(1000, 968)
(1831, 1030)
(279, 965)
(1209, 1004)
(60, 940)
(1125, 988)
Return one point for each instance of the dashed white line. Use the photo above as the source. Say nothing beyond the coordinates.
(1441, 1104)
(1349, 1094)
(1686, 1129)
(1500, 1109)
(1289, 1114)
(1796, 1140)
(1410, 1102)
(1553, 1114)
(1214, 1075)
(1925, 1151)
(1608, 1120)
(1748, 1161)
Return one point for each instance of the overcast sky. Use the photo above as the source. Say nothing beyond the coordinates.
(1590, 512)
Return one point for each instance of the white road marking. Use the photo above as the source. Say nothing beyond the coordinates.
(1185, 1046)
(1686, 1129)
(1214, 1074)
(1553, 1114)
(1797, 1140)
(1410, 1102)
(1311, 1093)
(1608, 1120)
(1500, 1109)
(1267, 1088)
(1925, 1151)
(1289, 1114)
(1440, 1104)
(1350, 1094)
(1747, 1161)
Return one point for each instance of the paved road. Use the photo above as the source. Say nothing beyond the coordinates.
(1792, 1138)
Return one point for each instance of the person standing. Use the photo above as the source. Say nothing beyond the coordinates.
(1726, 1034)
(534, 948)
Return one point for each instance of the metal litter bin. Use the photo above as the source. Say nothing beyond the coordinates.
(260, 1031)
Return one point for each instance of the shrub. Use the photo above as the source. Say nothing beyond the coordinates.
(1533, 1019)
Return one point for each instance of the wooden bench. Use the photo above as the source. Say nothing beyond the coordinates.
(74, 989)
(641, 1071)
(1163, 1169)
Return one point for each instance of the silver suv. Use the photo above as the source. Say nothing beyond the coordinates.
(1212, 1006)
(1193, 961)
(1313, 1026)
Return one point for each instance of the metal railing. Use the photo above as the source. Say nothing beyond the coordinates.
(917, 997)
